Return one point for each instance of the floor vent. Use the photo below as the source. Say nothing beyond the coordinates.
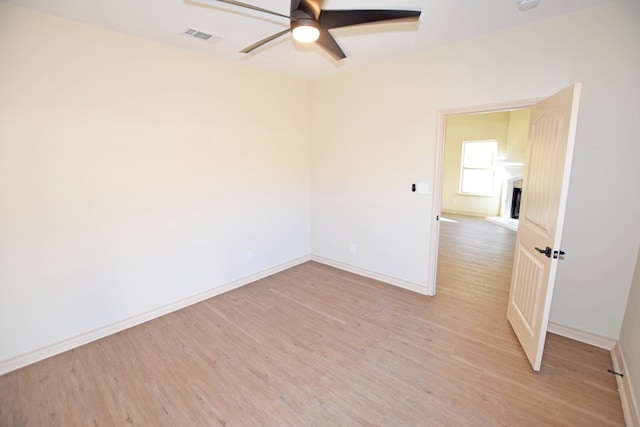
(201, 35)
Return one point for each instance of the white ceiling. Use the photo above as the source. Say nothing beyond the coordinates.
(442, 21)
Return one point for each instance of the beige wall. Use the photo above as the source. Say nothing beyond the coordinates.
(134, 175)
(518, 136)
(477, 127)
(382, 138)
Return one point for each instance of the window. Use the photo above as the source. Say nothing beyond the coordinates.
(477, 171)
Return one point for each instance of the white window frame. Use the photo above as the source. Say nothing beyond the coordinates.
(488, 167)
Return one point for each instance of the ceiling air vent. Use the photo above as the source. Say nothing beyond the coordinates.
(201, 35)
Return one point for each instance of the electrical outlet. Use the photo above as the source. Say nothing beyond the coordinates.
(352, 247)
(249, 256)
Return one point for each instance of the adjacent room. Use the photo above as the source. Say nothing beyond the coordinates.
(192, 235)
(484, 159)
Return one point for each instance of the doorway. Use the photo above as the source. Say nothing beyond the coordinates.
(483, 168)
(509, 161)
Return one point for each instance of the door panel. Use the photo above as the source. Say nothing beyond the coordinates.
(544, 197)
(526, 299)
(545, 133)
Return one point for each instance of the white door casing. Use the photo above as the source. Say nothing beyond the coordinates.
(544, 197)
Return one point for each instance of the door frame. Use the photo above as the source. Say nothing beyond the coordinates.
(438, 177)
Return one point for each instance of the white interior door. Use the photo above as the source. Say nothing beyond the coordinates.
(544, 196)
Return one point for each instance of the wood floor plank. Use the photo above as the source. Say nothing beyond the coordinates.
(316, 346)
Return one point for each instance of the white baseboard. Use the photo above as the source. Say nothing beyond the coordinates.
(373, 275)
(71, 343)
(467, 213)
(625, 388)
(582, 336)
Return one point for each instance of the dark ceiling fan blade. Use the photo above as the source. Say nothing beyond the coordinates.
(344, 18)
(309, 8)
(327, 41)
(252, 7)
(264, 41)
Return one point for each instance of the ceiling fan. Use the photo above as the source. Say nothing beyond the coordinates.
(311, 23)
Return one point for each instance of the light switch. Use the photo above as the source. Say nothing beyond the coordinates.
(423, 188)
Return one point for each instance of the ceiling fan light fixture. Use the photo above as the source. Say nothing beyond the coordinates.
(305, 30)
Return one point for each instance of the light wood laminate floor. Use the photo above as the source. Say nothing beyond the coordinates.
(316, 346)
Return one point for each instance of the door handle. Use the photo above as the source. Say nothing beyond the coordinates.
(546, 251)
